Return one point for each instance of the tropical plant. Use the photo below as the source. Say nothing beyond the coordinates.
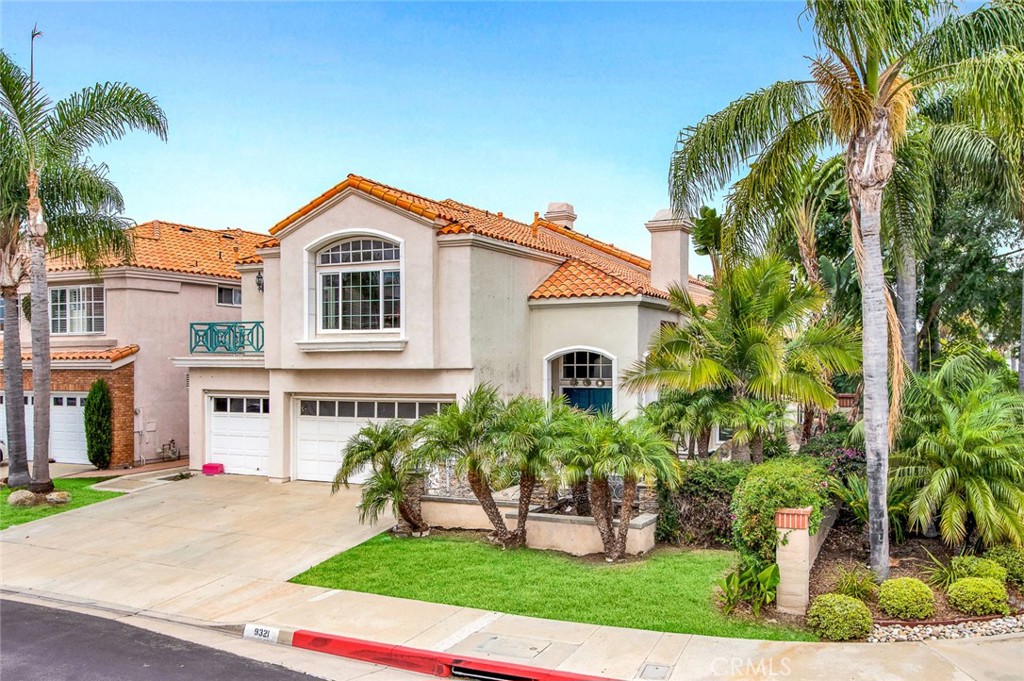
(941, 574)
(836, 617)
(961, 454)
(46, 137)
(979, 596)
(530, 435)
(853, 492)
(752, 584)
(857, 582)
(906, 598)
(384, 450)
(99, 424)
(753, 422)
(464, 435)
(690, 417)
(877, 59)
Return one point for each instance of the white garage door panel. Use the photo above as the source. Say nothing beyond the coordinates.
(240, 439)
(67, 426)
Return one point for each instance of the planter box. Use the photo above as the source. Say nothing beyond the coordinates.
(578, 535)
(458, 513)
(795, 553)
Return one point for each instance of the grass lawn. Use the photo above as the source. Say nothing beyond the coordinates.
(82, 494)
(670, 591)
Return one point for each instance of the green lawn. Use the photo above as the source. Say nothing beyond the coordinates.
(670, 591)
(82, 494)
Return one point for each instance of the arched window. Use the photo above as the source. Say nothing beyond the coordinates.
(359, 285)
(584, 378)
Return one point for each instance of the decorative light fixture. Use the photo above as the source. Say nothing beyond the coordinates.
(573, 381)
(586, 381)
(259, 281)
(600, 383)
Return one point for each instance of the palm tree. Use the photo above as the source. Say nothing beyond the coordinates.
(689, 418)
(396, 479)
(960, 450)
(49, 136)
(531, 435)
(464, 435)
(877, 58)
(753, 421)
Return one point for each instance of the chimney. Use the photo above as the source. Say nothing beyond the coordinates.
(670, 249)
(561, 214)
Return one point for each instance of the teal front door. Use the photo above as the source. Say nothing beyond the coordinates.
(589, 399)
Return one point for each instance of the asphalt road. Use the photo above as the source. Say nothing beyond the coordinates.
(46, 644)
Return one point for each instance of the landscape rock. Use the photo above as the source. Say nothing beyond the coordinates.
(931, 632)
(22, 497)
(58, 497)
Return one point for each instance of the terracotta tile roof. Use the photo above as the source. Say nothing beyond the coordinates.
(255, 258)
(604, 268)
(186, 249)
(110, 354)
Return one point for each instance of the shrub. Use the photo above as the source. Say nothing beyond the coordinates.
(974, 566)
(857, 582)
(99, 424)
(979, 596)
(703, 501)
(906, 598)
(944, 574)
(751, 584)
(789, 482)
(824, 444)
(853, 492)
(1011, 558)
(669, 527)
(836, 617)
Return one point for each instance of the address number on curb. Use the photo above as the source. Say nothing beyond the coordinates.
(261, 633)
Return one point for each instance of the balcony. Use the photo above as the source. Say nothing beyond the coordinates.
(225, 337)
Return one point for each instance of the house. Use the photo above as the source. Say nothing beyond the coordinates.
(124, 325)
(371, 302)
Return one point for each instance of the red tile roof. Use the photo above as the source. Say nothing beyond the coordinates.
(110, 354)
(591, 268)
(172, 247)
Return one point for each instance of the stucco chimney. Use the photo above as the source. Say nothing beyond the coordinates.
(670, 249)
(561, 214)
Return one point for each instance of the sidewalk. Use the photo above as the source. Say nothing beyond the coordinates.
(220, 559)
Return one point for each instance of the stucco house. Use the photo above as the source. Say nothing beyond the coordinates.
(124, 325)
(371, 302)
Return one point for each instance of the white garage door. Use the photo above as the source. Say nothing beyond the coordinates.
(324, 427)
(239, 433)
(67, 426)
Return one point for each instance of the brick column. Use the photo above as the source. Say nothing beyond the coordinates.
(792, 553)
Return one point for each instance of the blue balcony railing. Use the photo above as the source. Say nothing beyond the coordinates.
(226, 337)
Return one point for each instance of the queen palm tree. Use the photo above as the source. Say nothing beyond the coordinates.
(876, 59)
(58, 135)
(396, 478)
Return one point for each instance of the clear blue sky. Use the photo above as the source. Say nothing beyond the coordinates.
(505, 106)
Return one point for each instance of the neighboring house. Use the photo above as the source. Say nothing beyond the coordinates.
(124, 325)
(374, 303)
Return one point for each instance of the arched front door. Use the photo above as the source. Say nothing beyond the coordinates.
(585, 379)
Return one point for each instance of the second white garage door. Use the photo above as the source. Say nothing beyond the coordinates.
(239, 433)
(67, 426)
(324, 426)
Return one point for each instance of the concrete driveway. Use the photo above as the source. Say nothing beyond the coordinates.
(232, 539)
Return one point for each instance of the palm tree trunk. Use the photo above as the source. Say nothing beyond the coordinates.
(581, 498)
(411, 508)
(757, 449)
(906, 304)
(41, 481)
(808, 427)
(625, 516)
(526, 485)
(601, 510)
(483, 494)
(14, 393)
(703, 443)
(691, 445)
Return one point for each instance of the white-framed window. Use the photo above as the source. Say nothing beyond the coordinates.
(359, 286)
(77, 310)
(229, 295)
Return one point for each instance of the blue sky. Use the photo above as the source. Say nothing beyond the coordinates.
(505, 106)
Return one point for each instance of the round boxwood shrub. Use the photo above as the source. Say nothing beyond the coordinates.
(1011, 558)
(906, 598)
(973, 566)
(978, 596)
(836, 617)
(787, 482)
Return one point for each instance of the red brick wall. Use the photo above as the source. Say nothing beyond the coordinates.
(122, 392)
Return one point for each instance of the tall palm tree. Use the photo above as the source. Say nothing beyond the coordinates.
(396, 478)
(464, 435)
(689, 418)
(876, 59)
(753, 422)
(55, 135)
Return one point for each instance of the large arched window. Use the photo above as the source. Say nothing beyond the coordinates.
(359, 285)
(584, 378)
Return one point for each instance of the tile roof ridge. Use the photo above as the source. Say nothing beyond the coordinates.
(167, 223)
(360, 178)
(603, 246)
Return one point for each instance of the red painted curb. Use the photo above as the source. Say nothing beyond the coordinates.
(424, 661)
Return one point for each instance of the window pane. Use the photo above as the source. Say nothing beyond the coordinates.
(58, 401)
(365, 409)
(428, 408)
(329, 301)
(307, 408)
(220, 404)
(328, 408)
(406, 410)
(252, 405)
(346, 409)
(385, 410)
(73, 401)
(266, 406)
(236, 405)
(391, 293)
(360, 301)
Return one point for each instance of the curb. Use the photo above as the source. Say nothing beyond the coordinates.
(396, 656)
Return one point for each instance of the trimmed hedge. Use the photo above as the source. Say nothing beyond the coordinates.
(906, 598)
(979, 596)
(788, 482)
(99, 424)
(1011, 558)
(835, 617)
(973, 566)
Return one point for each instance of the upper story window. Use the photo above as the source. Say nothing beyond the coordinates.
(77, 309)
(229, 295)
(359, 286)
